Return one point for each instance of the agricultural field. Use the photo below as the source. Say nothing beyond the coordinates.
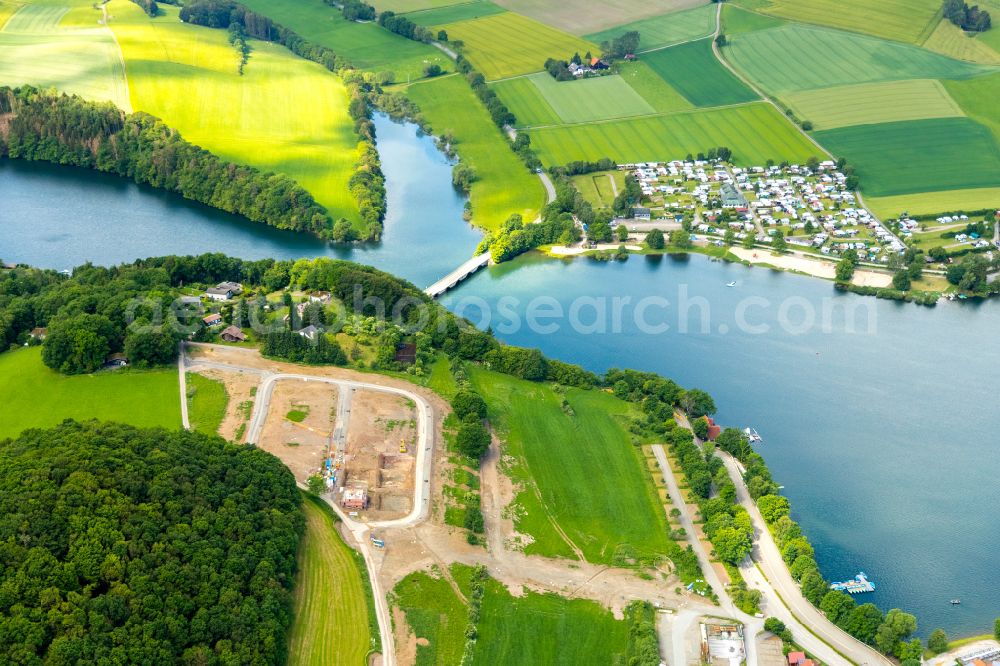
(546, 629)
(950, 40)
(434, 613)
(285, 114)
(503, 184)
(586, 100)
(653, 89)
(401, 6)
(38, 48)
(666, 29)
(919, 155)
(526, 102)
(779, 61)
(754, 132)
(509, 44)
(899, 20)
(694, 71)
(207, 402)
(559, 448)
(366, 45)
(978, 97)
(869, 103)
(736, 21)
(34, 396)
(331, 623)
(932, 203)
(582, 17)
(464, 11)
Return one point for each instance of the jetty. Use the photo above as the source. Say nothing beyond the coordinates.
(859, 584)
(450, 280)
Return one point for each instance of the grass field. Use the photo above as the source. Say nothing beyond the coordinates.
(400, 6)
(754, 132)
(900, 20)
(331, 612)
(285, 114)
(434, 613)
(870, 103)
(665, 29)
(774, 59)
(653, 89)
(454, 13)
(33, 396)
(694, 71)
(950, 40)
(978, 98)
(509, 44)
(36, 49)
(589, 475)
(582, 17)
(366, 45)
(525, 101)
(929, 203)
(591, 99)
(546, 629)
(736, 21)
(918, 155)
(503, 184)
(596, 187)
(207, 401)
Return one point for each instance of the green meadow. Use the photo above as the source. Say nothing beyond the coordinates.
(754, 132)
(454, 13)
(285, 114)
(401, 6)
(899, 20)
(580, 466)
(694, 71)
(33, 396)
(581, 17)
(950, 40)
(736, 21)
(978, 98)
(503, 184)
(526, 102)
(435, 614)
(665, 29)
(597, 189)
(591, 99)
(930, 203)
(918, 155)
(652, 88)
(207, 402)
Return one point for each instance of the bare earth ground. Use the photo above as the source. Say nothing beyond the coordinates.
(301, 446)
(948, 658)
(814, 267)
(239, 388)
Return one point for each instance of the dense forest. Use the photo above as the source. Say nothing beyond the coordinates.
(37, 125)
(123, 545)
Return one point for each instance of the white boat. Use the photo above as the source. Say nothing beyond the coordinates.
(752, 435)
(731, 284)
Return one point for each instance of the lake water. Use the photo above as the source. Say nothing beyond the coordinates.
(880, 419)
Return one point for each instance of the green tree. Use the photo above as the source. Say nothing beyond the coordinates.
(778, 241)
(316, 484)
(732, 545)
(700, 428)
(901, 280)
(749, 240)
(729, 238)
(814, 587)
(845, 270)
(654, 240)
(937, 642)
(863, 622)
(897, 627)
(468, 402)
(837, 606)
(622, 233)
(681, 239)
(773, 507)
(78, 344)
(697, 403)
(472, 439)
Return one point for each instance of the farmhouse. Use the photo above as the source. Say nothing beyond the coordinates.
(39, 333)
(309, 332)
(213, 319)
(233, 334)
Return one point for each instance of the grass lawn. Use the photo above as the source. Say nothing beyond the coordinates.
(694, 71)
(33, 396)
(591, 99)
(754, 132)
(582, 17)
(525, 101)
(509, 44)
(736, 21)
(870, 103)
(590, 478)
(665, 29)
(434, 613)
(774, 59)
(950, 40)
(653, 89)
(285, 114)
(918, 155)
(928, 203)
(900, 20)
(36, 49)
(546, 629)
(503, 184)
(440, 380)
(366, 45)
(462, 11)
(207, 402)
(331, 610)
(596, 187)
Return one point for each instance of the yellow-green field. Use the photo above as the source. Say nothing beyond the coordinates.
(285, 114)
(901, 20)
(581, 17)
(400, 6)
(40, 47)
(503, 185)
(929, 203)
(665, 29)
(509, 44)
(950, 40)
(869, 103)
(331, 612)
(597, 188)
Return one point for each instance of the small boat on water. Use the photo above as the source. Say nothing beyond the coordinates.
(955, 602)
(752, 435)
(731, 284)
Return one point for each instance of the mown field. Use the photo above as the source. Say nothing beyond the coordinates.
(590, 99)
(978, 98)
(950, 40)
(207, 401)
(869, 103)
(37, 48)
(435, 614)
(736, 21)
(653, 89)
(331, 610)
(366, 45)
(33, 396)
(463, 11)
(919, 155)
(694, 71)
(900, 20)
(665, 29)
(509, 44)
(929, 203)
(400, 6)
(777, 59)
(285, 114)
(589, 476)
(503, 184)
(582, 17)
(526, 102)
(754, 132)
(597, 189)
